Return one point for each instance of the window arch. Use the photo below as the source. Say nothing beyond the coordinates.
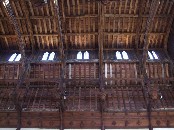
(45, 56)
(86, 55)
(118, 55)
(12, 58)
(125, 56)
(150, 55)
(79, 55)
(51, 56)
(18, 57)
(154, 55)
(6, 2)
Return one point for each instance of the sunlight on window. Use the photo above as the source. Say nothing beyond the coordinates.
(45, 1)
(55, 2)
(51, 57)
(12, 57)
(86, 55)
(45, 56)
(150, 55)
(6, 2)
(79, 55)
(118, 55)
(18, 57)
(125, 56)
(155, 55)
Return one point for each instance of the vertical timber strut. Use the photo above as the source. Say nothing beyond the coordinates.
(146, 83)
(139, 23)
(62, 58)
(100, 45)
(24, 67)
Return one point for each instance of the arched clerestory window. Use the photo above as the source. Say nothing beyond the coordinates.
(79, 55)
(86, 55)
(45, 56)
(51, 56)
(125, 55)
(118, 55)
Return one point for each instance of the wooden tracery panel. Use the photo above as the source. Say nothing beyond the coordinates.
(9, 71)
(158, 71)
(120, 73)
(82, 72)
(45, 71)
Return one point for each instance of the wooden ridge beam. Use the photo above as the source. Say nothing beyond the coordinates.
(74, 34)
(91, 16)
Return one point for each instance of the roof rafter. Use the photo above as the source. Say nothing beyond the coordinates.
(169, 26)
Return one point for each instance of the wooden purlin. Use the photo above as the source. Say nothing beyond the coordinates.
(27, 17)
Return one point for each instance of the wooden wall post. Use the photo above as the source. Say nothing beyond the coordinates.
(146, 82)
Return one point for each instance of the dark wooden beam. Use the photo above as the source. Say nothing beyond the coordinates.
(73, 34)
(101, 57)
(100, 42)
(28, 21)
(62, 84)
(146, 83)
(139, 22)
(140, 13)
(169, 26)
(24, 66)
(91, 16)
(91, 120)
(152, 13)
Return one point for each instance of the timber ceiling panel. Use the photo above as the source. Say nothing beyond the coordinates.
(124, 24)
